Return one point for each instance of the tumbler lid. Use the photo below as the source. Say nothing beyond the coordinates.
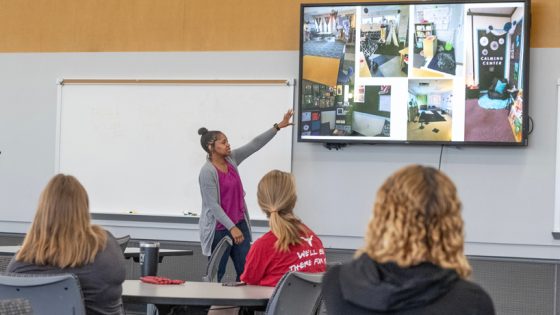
(149, 244)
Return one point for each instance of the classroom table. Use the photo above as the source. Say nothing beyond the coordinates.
(195, 293)
(130, 252)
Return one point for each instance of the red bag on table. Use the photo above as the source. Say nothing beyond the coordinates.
(160, 280)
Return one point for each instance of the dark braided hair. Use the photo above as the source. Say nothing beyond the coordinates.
(207, 138)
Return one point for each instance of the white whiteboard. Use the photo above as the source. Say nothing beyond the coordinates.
(135, 147)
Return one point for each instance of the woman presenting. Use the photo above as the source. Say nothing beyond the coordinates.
(224, 211)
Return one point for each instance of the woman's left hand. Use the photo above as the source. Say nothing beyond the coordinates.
(286, 120)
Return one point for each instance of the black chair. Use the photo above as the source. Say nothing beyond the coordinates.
(297, 293)
(123, 241)
(322, 308)
(48, 293)
(214, 262)
(502, 93)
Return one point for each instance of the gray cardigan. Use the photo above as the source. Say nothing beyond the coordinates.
(210, 191)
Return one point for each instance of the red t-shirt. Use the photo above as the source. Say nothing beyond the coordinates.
(265, 265)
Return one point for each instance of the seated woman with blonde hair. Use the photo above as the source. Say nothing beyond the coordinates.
(413, 260)
(63, 240)
(289, 245)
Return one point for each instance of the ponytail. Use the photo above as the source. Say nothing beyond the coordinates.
(277, 197)
(287, 228)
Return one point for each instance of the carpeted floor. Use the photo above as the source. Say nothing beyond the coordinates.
(430, 116)
(387, 66)
(486, 124)
(444, 62)
(379, 59)
(487, 103)
(324, 48)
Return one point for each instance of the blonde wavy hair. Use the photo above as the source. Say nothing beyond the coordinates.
(417, 218)
(276, 195)
(61, 234)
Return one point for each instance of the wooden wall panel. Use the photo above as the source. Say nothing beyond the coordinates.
(180, 25)
(545, 23)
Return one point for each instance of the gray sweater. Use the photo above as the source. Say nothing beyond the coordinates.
(101, 281)
(210, 191)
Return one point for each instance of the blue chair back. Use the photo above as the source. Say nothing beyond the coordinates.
(48, 294)
(15, 307)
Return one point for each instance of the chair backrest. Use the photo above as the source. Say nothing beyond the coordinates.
(215, 258)
(123, 241)
(16, 307)
(48, 294)
(297, 293)
(322, 309)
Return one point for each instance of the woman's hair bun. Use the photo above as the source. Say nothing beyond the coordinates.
(202, 131)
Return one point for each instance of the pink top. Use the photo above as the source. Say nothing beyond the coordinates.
(231, 195)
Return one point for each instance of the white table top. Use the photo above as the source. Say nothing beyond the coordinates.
(195, 293)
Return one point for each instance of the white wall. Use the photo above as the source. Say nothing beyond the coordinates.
(455, 28)
(508, 193)
(446, 100)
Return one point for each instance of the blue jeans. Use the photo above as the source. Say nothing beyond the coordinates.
(238, 252)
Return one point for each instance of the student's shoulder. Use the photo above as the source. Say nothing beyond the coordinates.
(474, 294)
(16, 266)
(264, 241)
(266, 237)
(112, 246)
(470, 287)
(309, 232)
(112, 239)
(262, 247)
(109, 234)
(307, 229)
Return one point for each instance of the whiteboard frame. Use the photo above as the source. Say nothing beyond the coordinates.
(556, 228)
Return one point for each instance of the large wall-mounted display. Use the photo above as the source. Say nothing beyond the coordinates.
(437, 73)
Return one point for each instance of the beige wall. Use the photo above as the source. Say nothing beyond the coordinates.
(180, 25)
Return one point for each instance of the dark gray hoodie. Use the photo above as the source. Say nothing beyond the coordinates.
(363, 286)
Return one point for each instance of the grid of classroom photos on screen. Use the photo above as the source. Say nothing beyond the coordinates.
(427, 72)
